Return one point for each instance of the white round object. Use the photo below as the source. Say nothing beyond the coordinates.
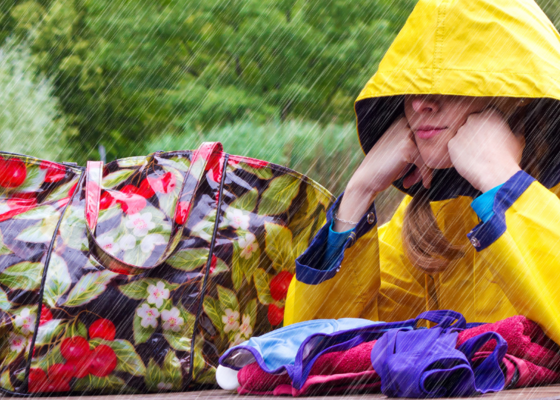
(227, 378)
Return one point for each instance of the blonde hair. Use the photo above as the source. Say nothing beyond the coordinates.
(424, 243)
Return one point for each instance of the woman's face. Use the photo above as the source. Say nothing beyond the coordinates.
(435, 119)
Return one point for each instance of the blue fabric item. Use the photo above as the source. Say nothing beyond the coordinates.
(486, 233)
(483, 204)
(335, 241)
(425, 363)
(310, 264)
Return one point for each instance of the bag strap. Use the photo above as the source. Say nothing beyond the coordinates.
(444, 319)
(93, 185)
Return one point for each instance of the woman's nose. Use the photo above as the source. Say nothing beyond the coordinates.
(425, 105)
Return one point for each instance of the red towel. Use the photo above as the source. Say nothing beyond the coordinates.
(525, 340)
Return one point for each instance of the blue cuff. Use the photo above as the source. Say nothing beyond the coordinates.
(482, 205)
(335, 241)
(486, 233)
(310, 264)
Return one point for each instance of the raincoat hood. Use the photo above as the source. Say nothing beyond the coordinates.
(491, 48)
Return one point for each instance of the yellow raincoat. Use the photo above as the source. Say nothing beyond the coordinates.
(512, 263)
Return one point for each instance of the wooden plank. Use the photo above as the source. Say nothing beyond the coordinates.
(535, 393)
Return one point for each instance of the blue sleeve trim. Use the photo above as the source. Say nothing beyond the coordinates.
(486, 233)
(309, 264)
(482, 205)
(335, 241)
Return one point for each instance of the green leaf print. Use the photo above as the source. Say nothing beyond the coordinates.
(262, 284)
(23, 276)
(172, 370)
(76, 328)
(43, 230)
(53, 356)
(108, 383)
(138, 290)
(49, 331)
(205, 227)
(198, 359)
(214, 311)
(228, 299)
(154, 377)
(61, 192)
(262, 173)
(5, 304)
(177, 324)
(279, 195)
(247, 201)
(5, 380)
(116, 178)
(127, 359)
(3, 249)
(88, 288)
(58, 280)
(189, 259)
(132, 161)
(246, 258)
(278, 241)
(180, 163)
(251, 311)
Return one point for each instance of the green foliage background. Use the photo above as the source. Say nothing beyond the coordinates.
(272, 79)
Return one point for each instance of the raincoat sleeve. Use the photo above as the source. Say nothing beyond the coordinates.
(351, 284)
(520, 246)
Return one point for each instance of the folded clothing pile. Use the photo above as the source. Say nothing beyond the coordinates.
(483, 364)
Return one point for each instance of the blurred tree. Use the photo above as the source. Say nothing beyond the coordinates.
(30, 118)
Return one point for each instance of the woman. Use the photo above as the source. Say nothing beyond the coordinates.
(464, 105)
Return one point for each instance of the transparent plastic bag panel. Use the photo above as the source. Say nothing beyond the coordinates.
(269, 214)
(33, 197)
(111, 333)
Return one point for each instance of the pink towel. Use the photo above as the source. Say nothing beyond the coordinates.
(525, 340)
(337, 372)
(522, 373)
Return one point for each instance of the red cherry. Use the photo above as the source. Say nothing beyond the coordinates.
(72, 189)
(182, 212)
(61, 372)
(279, 285)
(213, 263)
(80, 367)
(74, 348)
(275, 314)
(146, 189)
(54, 173)
(103, 361)
(102, 328)
(46, 315)
(12, 172)
(106, 201)
(37, 380)
(163, 184)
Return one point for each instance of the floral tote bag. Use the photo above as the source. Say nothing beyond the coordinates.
(135, 276)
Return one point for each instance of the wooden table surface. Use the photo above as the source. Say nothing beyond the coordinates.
(537, 393)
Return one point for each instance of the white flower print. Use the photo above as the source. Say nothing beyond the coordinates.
(164, 386)
(157, 293)
(140, 223)
(149, 316)
(25, 320)
(17, 342)
(237, 218)
(150, 241)
(127, 242)
(248, 244)
(108, 244)
(231, 320)
(245, 328)
(4, 208)
(171, 320)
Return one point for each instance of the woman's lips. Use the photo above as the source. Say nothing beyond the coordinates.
(428, 133)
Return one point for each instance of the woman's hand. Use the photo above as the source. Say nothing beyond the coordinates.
(390, 159)
(485, 151)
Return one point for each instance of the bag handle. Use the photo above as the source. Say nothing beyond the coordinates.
(93, 185)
